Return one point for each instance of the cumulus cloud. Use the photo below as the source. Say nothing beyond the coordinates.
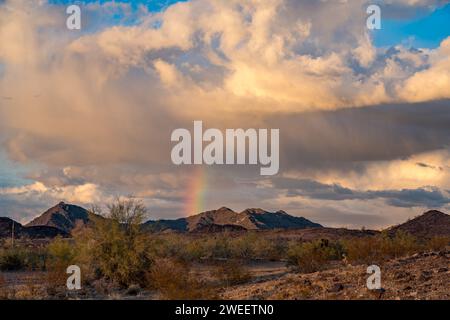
(93, 110)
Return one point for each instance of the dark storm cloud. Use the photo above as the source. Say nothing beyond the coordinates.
(348, 138)
(407, 198)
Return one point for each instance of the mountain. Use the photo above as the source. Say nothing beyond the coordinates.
(430, 224)
(62, 216)
(227, 219)
(9, 227)
(6, 227)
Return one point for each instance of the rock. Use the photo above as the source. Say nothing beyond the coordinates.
(425, 276)
(407, 288)
(378, 293)
(133, 290)
(337, 287)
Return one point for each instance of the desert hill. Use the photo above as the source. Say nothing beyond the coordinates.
(430, 224)
(227, 219)
(9, 228)
(62, 216)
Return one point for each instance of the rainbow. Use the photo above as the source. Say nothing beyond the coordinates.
(196, 191)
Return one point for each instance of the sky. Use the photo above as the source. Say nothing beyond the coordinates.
(86, 115)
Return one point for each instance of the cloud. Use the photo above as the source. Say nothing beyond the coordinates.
(90, 113)
(432, 83)
(428, 197)
(25, 202)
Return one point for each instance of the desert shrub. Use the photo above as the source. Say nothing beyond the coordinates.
(116, 247)
(112, 247)
(272, 249)
(309, 257)
(19, 258)
(12, 259)
(255, 246)
(380, 248)
(61, 254)
(363, 250)
(400, 245)
(218, 247)
(169, 246)
(438, 243)
(232, 272)
(243, 247)
(194, 250)
(174, 281)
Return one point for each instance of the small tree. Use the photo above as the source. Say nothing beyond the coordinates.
(114, 246)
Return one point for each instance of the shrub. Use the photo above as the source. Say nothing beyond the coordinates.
(272, 249)
(116, 247)
(218, 247)
(243, 247)
(61, 254)
(12, 259)
(313, 256)
(438, 243)
(232, 272)
(174, 281)
(380, 248)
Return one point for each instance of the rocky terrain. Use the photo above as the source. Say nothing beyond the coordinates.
(420, 276)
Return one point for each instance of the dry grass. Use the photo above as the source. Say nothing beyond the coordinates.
(438, 243)
(314, 256)
(380, 248)
(174, 281)
(232, 272)
(3, 288)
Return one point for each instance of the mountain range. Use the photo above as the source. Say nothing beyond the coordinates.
(62, 218)
(227, 219)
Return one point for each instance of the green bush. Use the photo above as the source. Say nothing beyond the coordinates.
(19, 258)
(12, 260)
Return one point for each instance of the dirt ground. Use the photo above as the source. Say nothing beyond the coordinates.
(421, 276)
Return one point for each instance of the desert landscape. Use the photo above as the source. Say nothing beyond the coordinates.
(219, 254)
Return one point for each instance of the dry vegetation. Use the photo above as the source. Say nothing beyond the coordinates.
(118, 258)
